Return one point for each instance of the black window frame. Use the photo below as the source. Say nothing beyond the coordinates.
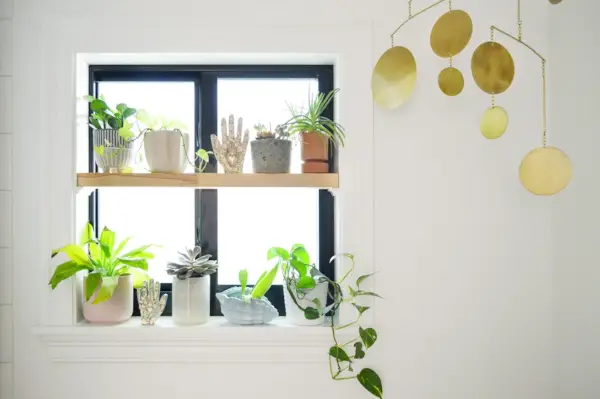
(205, 78)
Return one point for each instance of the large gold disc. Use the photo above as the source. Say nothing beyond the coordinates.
(451, 33)
(492, 67)
(394, 77)
(494, 122)
(451, 81)
(545, 171)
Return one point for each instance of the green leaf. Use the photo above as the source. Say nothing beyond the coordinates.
(278, 252)
(202, 154)
(122, 245)
(98, 105)
(75, 252)
(367, 293)
(64, 271)
(128, 112)
(243, 276)
(91, 284)
(300, 253)
(95, 123)
(114, 122)
(362, 278)
(99, 149)
(352, 291)
(311, 313)
(137, 263)
(301, 267)
(144, 117)
(125, 133)
(135, 253)
(88, 98)
(121, 107)
(317, 302)
(109, 284)
(371, 382)
(359, 353)
(88, 238)
(262, 286)
(139, 275)
(338, 353)
(361, 309)
(305, 282)
(107, 237)
(368, 336)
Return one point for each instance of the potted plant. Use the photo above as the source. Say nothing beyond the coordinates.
(244, 305)
(191, 286)
(315, 132)
(166, 144)
(271, 151)
(112, 275)
(113, 147)
(345, 357)
(305, 285)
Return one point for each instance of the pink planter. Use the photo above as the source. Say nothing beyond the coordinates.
(117, 309)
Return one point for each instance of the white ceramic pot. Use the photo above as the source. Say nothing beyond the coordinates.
(166, 150)
(294, 315)
(117, 309)
(191, 300)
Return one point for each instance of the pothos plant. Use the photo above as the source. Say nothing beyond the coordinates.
(104, 261)
(300, 276)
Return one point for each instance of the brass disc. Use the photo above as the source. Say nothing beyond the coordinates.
(451, 81)
(494, 122)
(394, 77)
(545, 171)
(492, 67)
(451, 33)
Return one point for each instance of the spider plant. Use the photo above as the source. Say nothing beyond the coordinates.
(312, 119)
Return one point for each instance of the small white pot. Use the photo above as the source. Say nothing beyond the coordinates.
(166, 150)
(294, 315)
(191, 300)
(117, 309)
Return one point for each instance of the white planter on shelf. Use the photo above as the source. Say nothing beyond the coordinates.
(166, 150)
(294, 315)
(117, 309)
(191, 300)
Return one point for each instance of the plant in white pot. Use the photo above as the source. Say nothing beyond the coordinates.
(112, 136)
(271, 151)
(191, 286)
(305, 285)
(112, 274)
(166, 145)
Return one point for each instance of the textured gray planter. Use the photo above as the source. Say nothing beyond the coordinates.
(271, 155)
(118, 153)
(238, 311)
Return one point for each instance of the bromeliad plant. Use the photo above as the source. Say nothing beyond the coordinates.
(301, 276)
(104, 261)
(312, 119)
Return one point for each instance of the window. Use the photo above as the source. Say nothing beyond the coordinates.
(235, 225)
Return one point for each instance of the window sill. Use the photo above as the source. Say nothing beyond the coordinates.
(215, 342)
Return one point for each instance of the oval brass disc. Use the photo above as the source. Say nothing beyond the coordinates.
(451, 33)
(451, 81)
(545, 171)
(394, 77)
(492, 67)
(494, 122)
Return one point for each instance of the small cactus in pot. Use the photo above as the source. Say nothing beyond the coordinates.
(271, 150)
(191, 286)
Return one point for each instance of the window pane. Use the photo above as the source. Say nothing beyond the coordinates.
(253, 220)
(151, 215)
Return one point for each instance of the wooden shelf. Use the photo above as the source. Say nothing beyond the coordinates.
(207, 180)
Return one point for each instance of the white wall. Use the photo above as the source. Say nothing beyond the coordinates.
(461, 247)
(575, 87)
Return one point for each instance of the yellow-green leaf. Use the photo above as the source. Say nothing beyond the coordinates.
(75, 252)
(64, 271)
(91, 284)
(262, 286)
(109, 284)
(99, 149)
(107, 237)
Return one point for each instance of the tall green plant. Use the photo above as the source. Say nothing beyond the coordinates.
(300, 276)
(105, 117)
(104, 261)
(312, 119)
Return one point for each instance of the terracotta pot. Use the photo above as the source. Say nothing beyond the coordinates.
(117, 309)
(315, 153)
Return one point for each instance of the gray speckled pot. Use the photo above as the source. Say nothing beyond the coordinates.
(238, 311)
(118, 153)
(271, 155)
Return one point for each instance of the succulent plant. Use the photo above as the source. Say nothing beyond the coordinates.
(192, 264)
